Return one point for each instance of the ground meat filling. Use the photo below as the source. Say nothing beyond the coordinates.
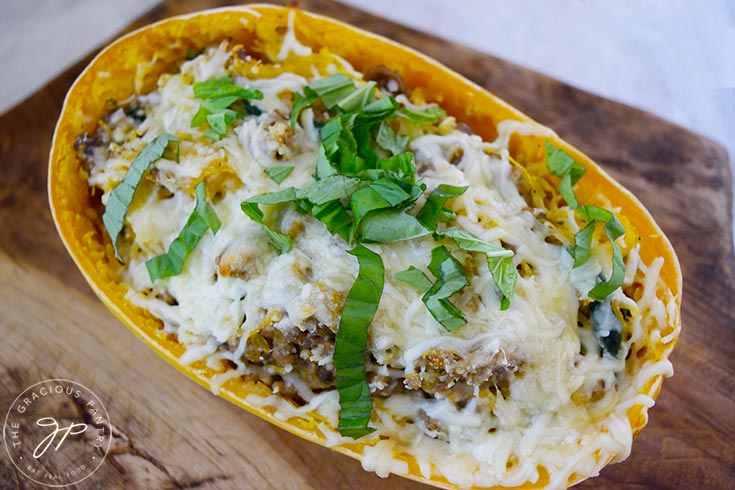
(443, 373)
(438, 373)
(113, 128)
(296, 351)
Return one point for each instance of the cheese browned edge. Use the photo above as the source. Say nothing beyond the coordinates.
(133, 64)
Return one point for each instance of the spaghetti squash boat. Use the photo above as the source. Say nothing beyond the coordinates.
(362, 247)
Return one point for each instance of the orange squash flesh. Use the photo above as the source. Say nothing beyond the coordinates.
(132, 65)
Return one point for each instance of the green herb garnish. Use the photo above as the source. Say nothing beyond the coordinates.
(451, 279)
(219, 96)
(559, 163)
(364, 186)
(281, 243)
(389, 226)
(434, 205)
(430, 115)
(279, 174)
(499, 261)
(390, 140)
(203, 218)
(505, 276)
(351, 343)
(381, 194)
(121, 196)
(415, 278)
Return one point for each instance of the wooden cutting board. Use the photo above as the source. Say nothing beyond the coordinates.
(170, 433)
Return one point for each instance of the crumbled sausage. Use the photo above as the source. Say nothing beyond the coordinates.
(301, 350)
(440, 372)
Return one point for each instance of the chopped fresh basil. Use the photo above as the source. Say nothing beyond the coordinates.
(390, 225)
(377, 111)
(332, 89)
(357, 100)
(581, 250)
(329, 189)
(401, 166)
(390, 140)
(421, 117)
(281, 243)
(499, 261)
(203, 218)
(559, 163)
(604, 288)
(351, 343)
(224, 87)
(505, 276)
(583, 240)
(121, 196)
(451, 279)
(218, 95)
(434, 205)
(381, 194)
(323, 166)
(335, 217)
(280, 197)
(607, 326)
(301, 102)
(415, 278)
(279, 174)
(467, 241)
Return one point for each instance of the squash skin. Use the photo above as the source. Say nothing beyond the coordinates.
(116, 73)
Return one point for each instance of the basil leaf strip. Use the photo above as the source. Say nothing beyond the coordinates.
(224, 87)
(467, 241)
(279, 174)
(381, 194)
(582, 242)
(499, 261)
(434, 204)
(219, 94)
(329, 189)
(601, 290)
(559, 163)
(301, 102)
(351, 344)
(332, 89)
(203, 218)
(505, 276)
(281, 243)
(357, 100)
(451, 279)
(607, 326)
(422, 117)
(389, 140)
(390, 225)
(335, 216)
(414, 277)
(121, 196)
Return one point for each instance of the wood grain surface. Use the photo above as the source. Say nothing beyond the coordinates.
(170, 433)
